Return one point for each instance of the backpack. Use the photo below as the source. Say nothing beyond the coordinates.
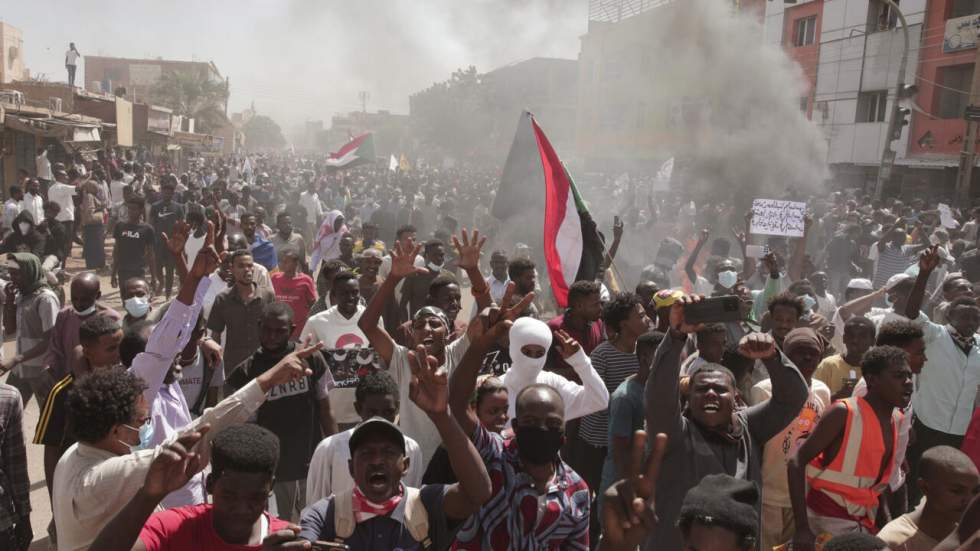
(416, 517)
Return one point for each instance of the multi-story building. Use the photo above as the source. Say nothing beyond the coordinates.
(12, 53)
(138, 76)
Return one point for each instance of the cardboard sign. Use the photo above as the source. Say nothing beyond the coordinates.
(348, 365)
(776, 217)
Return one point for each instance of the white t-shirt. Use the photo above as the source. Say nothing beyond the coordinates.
(62, 195)
(192, 377)
(116, 192)
(71, 57)
(329, 472)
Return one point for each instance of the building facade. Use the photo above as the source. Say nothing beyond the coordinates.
(12, 49)
(138, 76)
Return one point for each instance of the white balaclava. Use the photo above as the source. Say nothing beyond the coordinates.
(524, 370)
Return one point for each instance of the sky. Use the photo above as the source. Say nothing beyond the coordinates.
(304, 60)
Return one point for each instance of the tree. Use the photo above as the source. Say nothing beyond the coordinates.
(193, 94)
(453, 115)
(262, 132)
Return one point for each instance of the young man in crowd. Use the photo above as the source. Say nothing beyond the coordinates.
(286, 239)
(337, 328)
(84, 294)
(243, 466)
(841, 372)
(235, 311)
(294, 288)
(949, 480)
(524, 467)
(368, 264)
(735, 438)
(375, 396)
(36, 308)
(626, 413)
(381, 512)
(838, 474)
(444, 294)
(298, 413)
(133, 250)
(62, 193)
(430, 329)
(804, 348)
(163, 215)
(369, 239)
(136, 296)
(614, 361)
(415, 291)
(947, 387)
(263, 251)
(56, 240)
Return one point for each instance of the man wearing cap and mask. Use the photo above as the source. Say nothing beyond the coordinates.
(430, 330)
(710, 436)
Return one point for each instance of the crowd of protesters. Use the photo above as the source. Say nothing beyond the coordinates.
(312, 379)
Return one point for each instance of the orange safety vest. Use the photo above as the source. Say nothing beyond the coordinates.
(851, 480)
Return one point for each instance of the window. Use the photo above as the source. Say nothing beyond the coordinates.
(871, 106)
(961, 8)
(881, 17)
(805, 29)
(950, 101)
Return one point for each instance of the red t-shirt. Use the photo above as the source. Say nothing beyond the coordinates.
(191, 528)
(298, 292)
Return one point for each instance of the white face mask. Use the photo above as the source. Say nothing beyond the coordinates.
(434, 267)
(24, 227)
(808, 302)
(137, 306)
(86, 312)
(727, 279)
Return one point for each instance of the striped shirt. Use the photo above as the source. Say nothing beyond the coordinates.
(613, 368)
(516, 516)
(892, 260)
(52, 425)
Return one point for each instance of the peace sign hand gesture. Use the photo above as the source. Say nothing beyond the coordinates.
(629, 511)
(496, 320)
(469, 249)
(207, 259)
(567, 344)
(429, 385)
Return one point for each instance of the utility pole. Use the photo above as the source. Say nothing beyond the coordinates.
(887, 153)
(964, 176)
(363, 95)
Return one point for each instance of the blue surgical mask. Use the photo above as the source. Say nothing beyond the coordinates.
(146, 434)
(808, 303)
(137, 306)
(727, 279)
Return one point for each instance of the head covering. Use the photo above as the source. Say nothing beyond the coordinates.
(328, 240)
(897, 280)
(860, 283)
(527, 331)
(666, 297)
(427, 311)
(376, 425)
(802, 336)
(724, 501)
(31, 274)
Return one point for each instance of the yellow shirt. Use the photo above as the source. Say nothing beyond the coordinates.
(833, 370)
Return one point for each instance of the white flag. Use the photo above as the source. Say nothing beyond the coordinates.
(393, 164)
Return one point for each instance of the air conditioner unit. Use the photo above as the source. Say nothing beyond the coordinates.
(54, 104)
(15, 97)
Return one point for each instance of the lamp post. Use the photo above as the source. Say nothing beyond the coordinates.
(887, 154)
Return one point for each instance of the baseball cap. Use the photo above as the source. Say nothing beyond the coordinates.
(373, 426)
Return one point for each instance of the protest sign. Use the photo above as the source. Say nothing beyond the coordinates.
(776, 217)
(348, 365)
(662, 181)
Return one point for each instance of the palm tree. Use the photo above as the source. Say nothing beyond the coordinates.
(193, 94)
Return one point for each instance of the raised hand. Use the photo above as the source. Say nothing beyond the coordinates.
(617, 227)
(468, 250)
(174, 465)
(770, 263)
(703, 236)
(403, 261)
(286, 538)
(207, 259)
(629, 511)
(293, 366)
(929, 259)
(429, 386)
(676, 316)
(757, 346)
(567, 345)
(177, 239)
(496, 320)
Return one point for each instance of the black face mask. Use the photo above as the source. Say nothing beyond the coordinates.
(539, 446)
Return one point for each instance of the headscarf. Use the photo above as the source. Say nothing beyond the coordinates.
(31, 273)
(328, 240)
(427, 311)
